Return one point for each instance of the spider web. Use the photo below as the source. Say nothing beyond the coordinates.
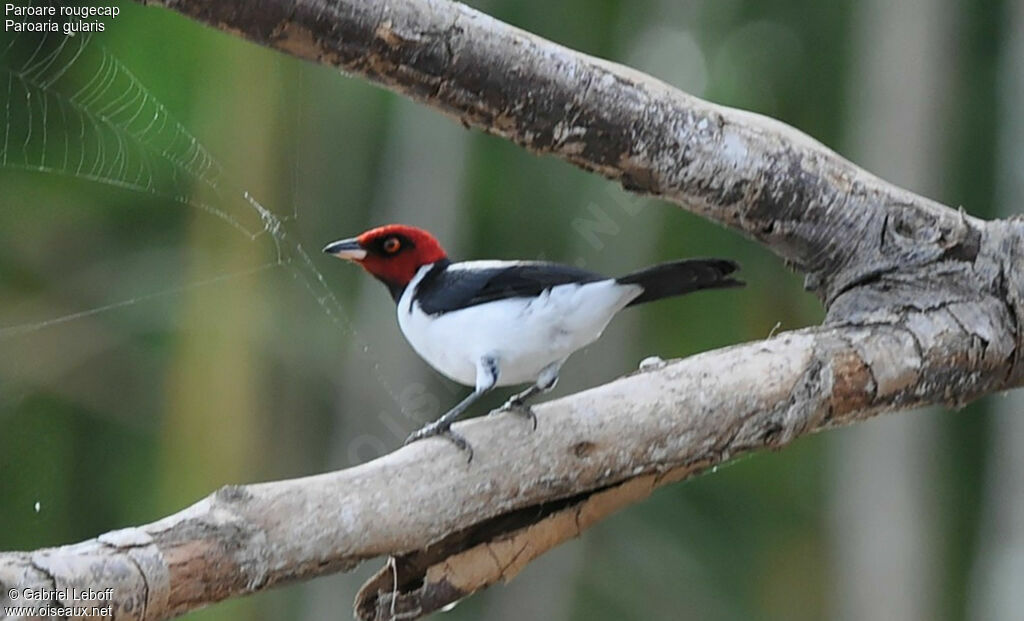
(109, 129)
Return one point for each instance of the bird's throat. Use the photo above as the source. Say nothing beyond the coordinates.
(397, 287)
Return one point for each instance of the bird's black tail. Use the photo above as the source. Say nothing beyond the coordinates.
(679, 277)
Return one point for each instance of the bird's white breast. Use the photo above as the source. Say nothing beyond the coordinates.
(523, 334)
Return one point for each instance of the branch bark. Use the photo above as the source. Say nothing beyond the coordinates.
(922, 306)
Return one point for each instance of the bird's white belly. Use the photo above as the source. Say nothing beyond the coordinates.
(523, 335)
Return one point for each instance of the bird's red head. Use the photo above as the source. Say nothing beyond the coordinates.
(391, 253)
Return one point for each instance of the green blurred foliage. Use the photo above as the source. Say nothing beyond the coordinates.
(123, 415)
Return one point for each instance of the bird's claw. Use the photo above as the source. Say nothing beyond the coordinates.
(518, 407)
(442, 431)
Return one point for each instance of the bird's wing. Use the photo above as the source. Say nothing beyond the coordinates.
(461, 285)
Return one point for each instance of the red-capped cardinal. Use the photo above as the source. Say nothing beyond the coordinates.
(501, 323)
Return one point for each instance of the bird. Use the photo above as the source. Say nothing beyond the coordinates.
(498, 323)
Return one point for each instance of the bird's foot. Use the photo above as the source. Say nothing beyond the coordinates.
(516, 406)
(438, 429)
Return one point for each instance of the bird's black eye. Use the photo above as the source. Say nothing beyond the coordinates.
(392, 245)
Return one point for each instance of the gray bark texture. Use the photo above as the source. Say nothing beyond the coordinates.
(886, 511)
(922, 307)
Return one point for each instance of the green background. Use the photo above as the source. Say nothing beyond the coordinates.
(219, 364)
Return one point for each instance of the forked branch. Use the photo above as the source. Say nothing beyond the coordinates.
(922, 302)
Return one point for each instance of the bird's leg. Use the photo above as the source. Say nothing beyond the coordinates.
(442, 426)
(517, 404)
(486, 377)
(545, 381)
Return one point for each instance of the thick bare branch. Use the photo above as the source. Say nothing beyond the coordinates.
(456, 527)
(749, 172)
(923, 304)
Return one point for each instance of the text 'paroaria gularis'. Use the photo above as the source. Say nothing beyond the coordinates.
(502, 323)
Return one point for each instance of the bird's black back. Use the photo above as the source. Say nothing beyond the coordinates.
(447, 288)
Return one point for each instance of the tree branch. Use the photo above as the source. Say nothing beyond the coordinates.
(746, 171)
(922, 308)
(464, 526)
